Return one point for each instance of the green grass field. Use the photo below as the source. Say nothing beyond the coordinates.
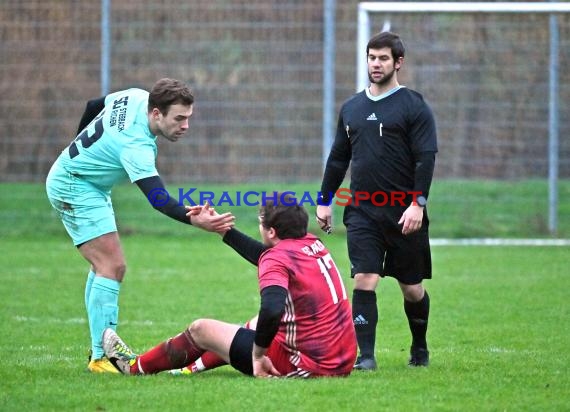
(498, 328)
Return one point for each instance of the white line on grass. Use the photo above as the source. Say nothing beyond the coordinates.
(75, 321)
(499, 242)
(490, 349)
(45, 358)
(32, 319)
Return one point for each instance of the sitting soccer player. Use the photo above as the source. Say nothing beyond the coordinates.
(304, 326)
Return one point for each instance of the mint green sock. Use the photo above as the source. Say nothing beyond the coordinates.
(88, 283)
(102, 311)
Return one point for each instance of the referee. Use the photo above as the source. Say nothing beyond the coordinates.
(389, 134)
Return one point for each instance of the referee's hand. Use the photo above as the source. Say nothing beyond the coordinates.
(411, 220)
(324, 218)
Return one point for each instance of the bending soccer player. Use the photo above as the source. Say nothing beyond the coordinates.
(304, 326)
(116, 141)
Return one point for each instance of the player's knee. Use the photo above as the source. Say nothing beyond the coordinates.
(197, 328)
(413, 293)
(119, 270)
(111, 270)
(366, 281)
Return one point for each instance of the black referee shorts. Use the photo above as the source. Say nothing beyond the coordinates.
(377, 245)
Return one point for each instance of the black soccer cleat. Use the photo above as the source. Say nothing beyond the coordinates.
(365, 364)
(418, 357)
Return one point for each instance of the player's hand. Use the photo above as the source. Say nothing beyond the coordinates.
(195, 210)
(411, 220)
(324, 218)
(263, 367)
(206, 218)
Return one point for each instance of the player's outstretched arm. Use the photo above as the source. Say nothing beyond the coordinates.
(247, 247)
(158, 197)
(210, 221)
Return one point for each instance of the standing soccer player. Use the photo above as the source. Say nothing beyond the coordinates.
(389, 134)
(304, 326)
(116, 141)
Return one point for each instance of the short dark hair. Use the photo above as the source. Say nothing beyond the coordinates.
(387, 39)
(167, 92)
(282, 213)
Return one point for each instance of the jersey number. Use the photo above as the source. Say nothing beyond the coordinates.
(86, 139)
(329, 270)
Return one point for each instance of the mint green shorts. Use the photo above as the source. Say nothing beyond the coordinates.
(85, 210)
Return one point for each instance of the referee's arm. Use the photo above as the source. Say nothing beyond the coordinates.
(425, 164)
(337, 164)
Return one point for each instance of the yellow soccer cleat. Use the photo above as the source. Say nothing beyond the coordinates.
(182, 371)
(102, 365)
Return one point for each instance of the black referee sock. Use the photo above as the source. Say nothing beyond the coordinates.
(418, 314)
(365, 318)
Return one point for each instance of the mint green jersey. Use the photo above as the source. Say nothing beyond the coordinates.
(117, 145)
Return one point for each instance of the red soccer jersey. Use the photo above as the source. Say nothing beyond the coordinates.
(316, 328)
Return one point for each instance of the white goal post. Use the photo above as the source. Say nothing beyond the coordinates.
(552, 8)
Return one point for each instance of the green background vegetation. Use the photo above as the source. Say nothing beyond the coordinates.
(498, 329)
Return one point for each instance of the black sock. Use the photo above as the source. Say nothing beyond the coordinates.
(365, 319)
(418, 314)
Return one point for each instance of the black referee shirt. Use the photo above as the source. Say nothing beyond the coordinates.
(384, 137)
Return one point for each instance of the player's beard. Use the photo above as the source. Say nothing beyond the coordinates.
(172, 135)
(384, 80)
